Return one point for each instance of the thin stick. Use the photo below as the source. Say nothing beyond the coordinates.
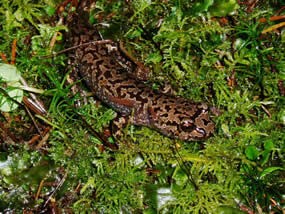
(39, 189)
(273, 27)
(34, 97)
(57, 187)
(76, 46)
(53, 39)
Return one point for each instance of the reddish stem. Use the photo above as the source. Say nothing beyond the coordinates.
(14, 50)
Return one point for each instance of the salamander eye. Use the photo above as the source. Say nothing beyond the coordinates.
(187, 125)
(201, 131)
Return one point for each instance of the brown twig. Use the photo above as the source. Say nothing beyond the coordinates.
(74, 47)
(39, 189)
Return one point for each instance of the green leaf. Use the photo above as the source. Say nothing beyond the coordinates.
(19, 15)
(134, 33)
(11, 21)
(251, 152)
(90, 183)
(226, 130)
(223, 7)
(269, 170)
(50, 10)
(10, 76)
(265, 156)
(202, 6)
(180, 176)
(282, 37)
(268, 145)
(9, 73)
(154, 58)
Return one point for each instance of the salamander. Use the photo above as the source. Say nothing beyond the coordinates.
(107, 72)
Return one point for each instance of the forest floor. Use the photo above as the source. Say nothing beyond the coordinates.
(228, 54)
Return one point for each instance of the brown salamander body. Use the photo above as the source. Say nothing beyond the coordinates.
(99, 63)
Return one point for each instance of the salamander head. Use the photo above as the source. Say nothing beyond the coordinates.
(199, 127)
(182, 119)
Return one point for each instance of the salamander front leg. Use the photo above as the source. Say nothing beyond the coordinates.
(72, 80)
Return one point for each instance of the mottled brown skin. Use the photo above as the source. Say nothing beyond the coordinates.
(106, 72)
